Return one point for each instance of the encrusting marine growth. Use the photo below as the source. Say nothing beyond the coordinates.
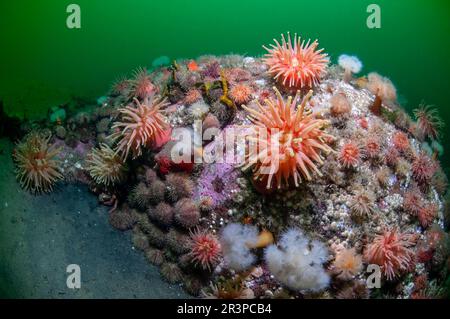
(323, 174)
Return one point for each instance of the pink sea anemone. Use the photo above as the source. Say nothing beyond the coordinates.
(296, 64)
(205, 249)
(412, 201)
(427, 214)
(192, 96)
(121, 86)
(423, 168)
(141, 86)
(290, 141)
(143, 125)
(428, 121)
(392, 251)
(400, 141)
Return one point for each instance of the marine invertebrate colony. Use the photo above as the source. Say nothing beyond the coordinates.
(290, 141)
(279, 230)
(296, 64)
(37, 164)
(143, 125)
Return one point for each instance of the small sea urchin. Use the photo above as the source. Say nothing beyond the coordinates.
(38, 167)
(296, 64)
(290, 141)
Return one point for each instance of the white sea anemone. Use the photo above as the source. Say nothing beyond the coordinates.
(297, 262)
(198, 110)
(351, 64)
(236, 240)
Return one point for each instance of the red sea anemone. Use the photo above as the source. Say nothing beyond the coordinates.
(289, 141)
(205, 249)
(296, 64)
(428, 121)
(140, 126)
(350, 155)
(392, 251)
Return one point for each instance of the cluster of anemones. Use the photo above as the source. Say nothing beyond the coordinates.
(289, 140)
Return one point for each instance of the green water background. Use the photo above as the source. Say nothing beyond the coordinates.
(43, 63)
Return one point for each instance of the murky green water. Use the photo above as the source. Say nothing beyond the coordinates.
(43, 63)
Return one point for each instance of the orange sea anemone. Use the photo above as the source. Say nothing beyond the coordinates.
(350, 154)
(289, 141)
(37, 164)
(143, 125)
(392, 251)
(296, 64)
(347, 264)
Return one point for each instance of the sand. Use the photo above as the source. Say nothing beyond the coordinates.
(41, 235)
